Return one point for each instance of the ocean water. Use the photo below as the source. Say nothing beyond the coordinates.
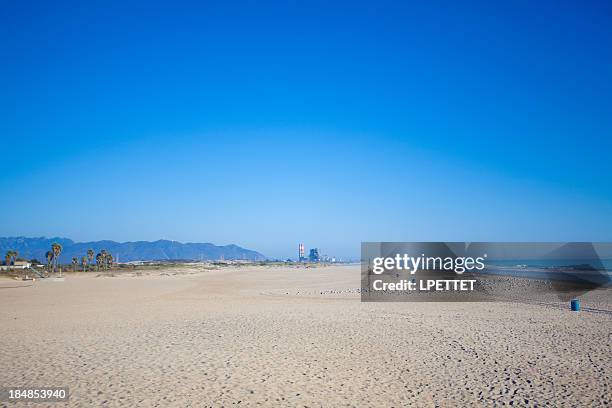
(601, 264)
(597, 271)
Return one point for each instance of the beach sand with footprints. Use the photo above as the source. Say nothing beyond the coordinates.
(285, 336)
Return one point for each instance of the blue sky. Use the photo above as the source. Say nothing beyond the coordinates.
(267, 124)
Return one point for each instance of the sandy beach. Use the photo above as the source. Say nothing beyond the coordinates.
(280, 336)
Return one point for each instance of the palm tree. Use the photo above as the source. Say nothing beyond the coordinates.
(84, 262)
(74, 263)
(104, 258)
(110, 260)
(49, 256)
(57, 250)
(11, 257)
(98, 261)
(90, 255)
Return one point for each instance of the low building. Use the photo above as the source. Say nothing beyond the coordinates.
(19, 264)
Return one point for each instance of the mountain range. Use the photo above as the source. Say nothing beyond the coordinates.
(35, 248)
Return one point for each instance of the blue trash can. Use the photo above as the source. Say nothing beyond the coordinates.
(575, 305)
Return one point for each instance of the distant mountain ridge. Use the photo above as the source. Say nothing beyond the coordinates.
(35, 248)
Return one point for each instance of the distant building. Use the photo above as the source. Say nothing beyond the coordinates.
(18, 264)
(301, 256)
(314, 255)
(327, 258)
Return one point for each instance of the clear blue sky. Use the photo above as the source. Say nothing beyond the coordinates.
(267, 124)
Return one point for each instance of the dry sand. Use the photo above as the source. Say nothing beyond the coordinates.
(276, 336)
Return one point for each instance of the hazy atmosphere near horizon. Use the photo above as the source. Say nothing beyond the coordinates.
(269, 124)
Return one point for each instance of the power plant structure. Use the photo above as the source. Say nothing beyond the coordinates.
(314, 255)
